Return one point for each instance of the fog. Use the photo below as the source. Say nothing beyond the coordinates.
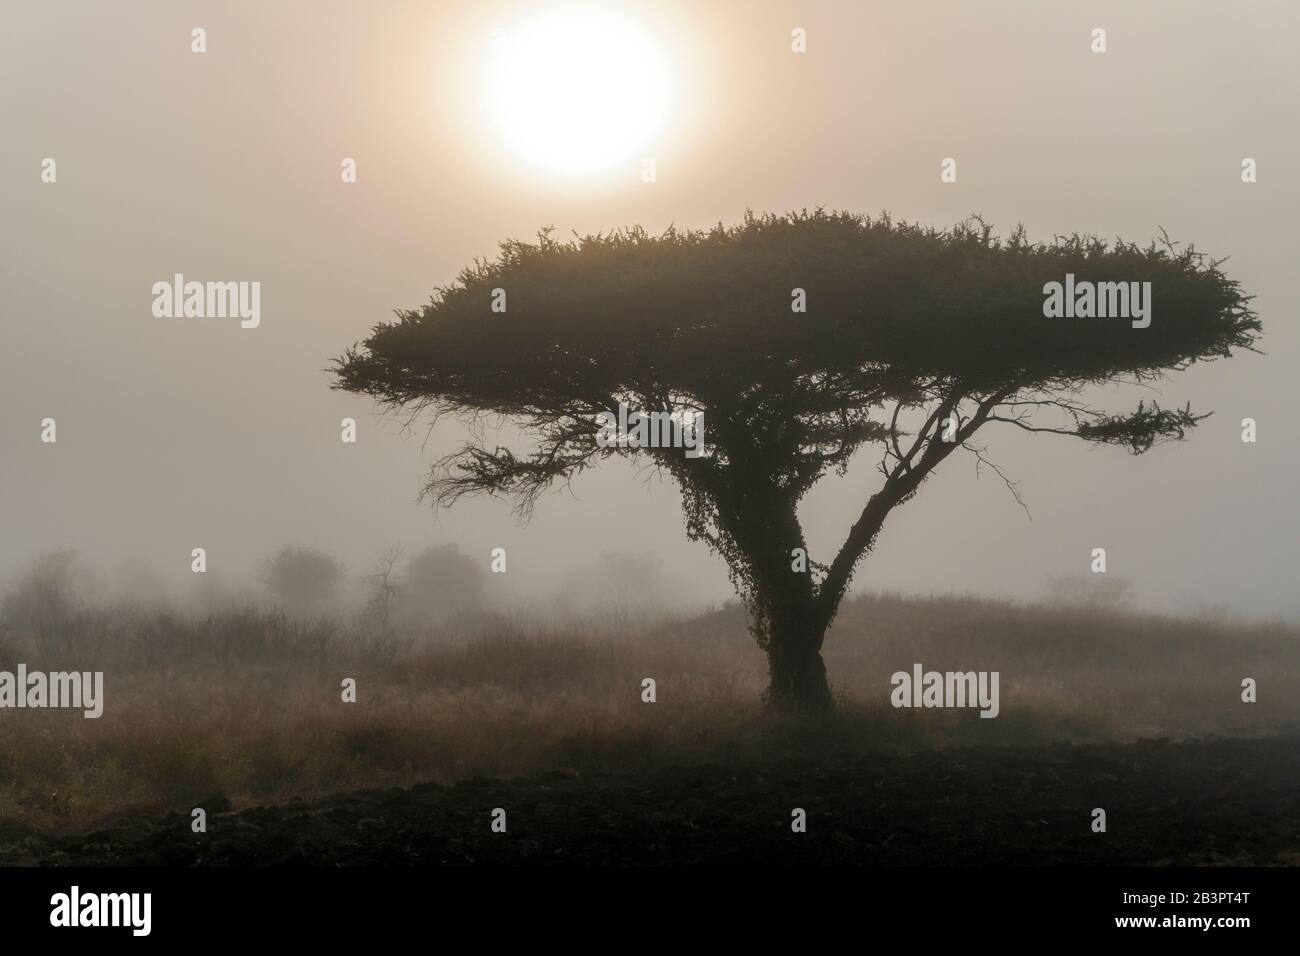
(178, 434)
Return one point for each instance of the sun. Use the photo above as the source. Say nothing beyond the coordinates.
(575, 92)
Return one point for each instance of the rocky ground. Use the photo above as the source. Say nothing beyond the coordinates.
(1231, 802)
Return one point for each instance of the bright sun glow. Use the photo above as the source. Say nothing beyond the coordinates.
(576, 92)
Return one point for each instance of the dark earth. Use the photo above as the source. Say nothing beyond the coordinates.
(1217, 802)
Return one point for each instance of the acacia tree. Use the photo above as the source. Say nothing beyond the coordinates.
(913, 340)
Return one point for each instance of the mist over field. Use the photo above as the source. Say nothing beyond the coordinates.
(182, 434)
(313, 552)
(234, 702)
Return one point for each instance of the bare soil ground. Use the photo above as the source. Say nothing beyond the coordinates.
(1217, 802)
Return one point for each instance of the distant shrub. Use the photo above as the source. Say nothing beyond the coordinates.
(303, 579)
(41, 608)
(441, 583)
(1090, 591)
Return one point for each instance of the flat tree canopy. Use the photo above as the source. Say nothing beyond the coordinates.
(913, 339)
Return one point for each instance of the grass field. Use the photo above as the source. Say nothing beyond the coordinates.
(246, 705)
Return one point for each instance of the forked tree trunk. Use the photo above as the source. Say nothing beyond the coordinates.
(796, 671)
(780, 600)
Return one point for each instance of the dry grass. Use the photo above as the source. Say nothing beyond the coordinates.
(247, 704)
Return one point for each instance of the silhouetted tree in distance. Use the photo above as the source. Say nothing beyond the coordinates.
(906, 327)
(441, 582)
(384, 589)
(44, 600)
(302, 579)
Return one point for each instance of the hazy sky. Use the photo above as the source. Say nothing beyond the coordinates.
(225, 165)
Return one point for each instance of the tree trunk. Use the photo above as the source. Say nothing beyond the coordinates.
(796, 671)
